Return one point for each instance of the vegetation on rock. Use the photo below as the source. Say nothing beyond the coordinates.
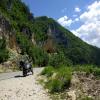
(3, 51)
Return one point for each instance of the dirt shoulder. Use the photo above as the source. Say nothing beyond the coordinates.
(23, 88)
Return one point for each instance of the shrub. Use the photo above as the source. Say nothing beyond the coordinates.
(85, 68)
(54, 85)
(4, 54)
(65, 75)
(59, 59)
(96, 71)
(48, 71)
(39, 56)
(61, 81)
(88, 69)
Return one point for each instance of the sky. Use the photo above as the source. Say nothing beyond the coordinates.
(82, 17)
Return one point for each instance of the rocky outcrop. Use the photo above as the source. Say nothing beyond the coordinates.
(33, 40)
(58, 35)
(8, 34)
(25, 30)
(49, 44)
(5, 27)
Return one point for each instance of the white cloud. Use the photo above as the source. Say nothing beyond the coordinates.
(76, 19)
(77, 9)
(90, 30)
(65, 21)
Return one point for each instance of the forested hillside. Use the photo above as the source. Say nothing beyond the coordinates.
(42, 38)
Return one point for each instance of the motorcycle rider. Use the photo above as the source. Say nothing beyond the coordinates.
(26, 65)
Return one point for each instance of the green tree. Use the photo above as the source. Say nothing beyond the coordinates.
(4, 54)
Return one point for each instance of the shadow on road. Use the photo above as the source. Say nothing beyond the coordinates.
(17, 76)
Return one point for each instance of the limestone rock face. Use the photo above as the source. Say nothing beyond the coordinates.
(55, 36)
(33, 40)
(25, 30)
(6, 32)
(49, 44)
(58, 35)
(4, 24)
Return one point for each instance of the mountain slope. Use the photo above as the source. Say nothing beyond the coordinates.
(42, 38)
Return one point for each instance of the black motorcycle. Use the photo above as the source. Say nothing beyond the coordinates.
(26, 67)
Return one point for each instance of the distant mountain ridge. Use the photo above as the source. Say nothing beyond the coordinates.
(42, 38)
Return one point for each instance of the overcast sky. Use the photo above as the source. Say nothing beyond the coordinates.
(82, 17)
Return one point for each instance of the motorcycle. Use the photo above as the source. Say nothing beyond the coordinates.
(26, 68)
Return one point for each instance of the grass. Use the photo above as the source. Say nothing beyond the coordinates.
(48, 71)
(59, 79)
(54, 85)
(96, 72)
(89, 69)
(87, 98)
(2, 70)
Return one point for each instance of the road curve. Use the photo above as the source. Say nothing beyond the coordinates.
(5, 76)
